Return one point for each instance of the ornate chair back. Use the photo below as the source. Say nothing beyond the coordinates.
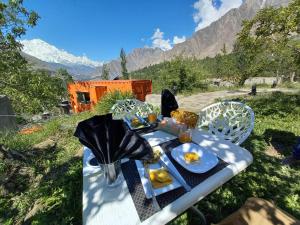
(130, 106)
(229, 120)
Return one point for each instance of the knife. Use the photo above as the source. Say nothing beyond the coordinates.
(149, 186)
(174, 172)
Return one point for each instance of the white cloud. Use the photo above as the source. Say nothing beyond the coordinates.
(158, 41)
(177, 40)
(206, 13)
(49, 53)
(158, 34)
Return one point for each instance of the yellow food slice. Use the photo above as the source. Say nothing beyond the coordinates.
(191, 157)
(135, 122)
(160, 178)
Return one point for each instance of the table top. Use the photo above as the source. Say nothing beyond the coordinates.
(115, 206)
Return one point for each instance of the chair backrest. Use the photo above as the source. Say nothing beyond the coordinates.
(229, 120)
(130, 106)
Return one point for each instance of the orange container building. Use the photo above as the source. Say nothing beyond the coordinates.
(85, 94)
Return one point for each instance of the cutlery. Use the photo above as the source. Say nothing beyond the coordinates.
(149, 186)
(173, 171)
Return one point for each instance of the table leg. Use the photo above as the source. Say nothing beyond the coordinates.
(200, 214)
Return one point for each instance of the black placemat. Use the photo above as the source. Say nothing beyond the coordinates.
(143, 205)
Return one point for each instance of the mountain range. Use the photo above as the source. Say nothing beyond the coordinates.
(78, 71)
(206, 42)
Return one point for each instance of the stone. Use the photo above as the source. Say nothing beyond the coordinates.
(37, 207)
(48, 144)
(7, 115)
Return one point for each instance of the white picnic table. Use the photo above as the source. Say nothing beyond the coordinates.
(116, 207)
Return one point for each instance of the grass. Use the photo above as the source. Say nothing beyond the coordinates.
(53, 178)
(50, 180)
(45, 178)
(277, 123)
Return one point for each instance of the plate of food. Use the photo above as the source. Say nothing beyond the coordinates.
(136, 122)
(194, 158)
(158, 177)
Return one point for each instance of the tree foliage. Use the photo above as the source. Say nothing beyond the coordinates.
(266, 41)
(37, 91)
(30, 91)
(267, 45)
(125, 73)
(14, 19)
(105, 72)
(183, 74)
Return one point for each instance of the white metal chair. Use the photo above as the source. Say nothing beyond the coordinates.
(229, 120)
(130, 106)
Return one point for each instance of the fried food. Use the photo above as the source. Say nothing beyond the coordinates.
(191, 157)
(135, 122)
(160, 178)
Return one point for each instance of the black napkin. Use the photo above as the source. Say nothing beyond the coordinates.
(133, 146)
(109, 140)
(102, 135)
(168, 103)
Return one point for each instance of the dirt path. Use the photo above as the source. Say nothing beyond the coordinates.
(198, 101)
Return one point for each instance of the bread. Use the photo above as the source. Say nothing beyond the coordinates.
(135, 122)
(160, 178)
(191, 157)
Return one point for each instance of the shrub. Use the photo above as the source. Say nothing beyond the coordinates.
(105, 104)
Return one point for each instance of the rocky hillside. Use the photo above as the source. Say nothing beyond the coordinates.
(205, 42)
(138, 59)
(210, 40)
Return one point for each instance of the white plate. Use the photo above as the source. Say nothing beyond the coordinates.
(158, 137)
(135, 128)
(208, 160)
(157, 191)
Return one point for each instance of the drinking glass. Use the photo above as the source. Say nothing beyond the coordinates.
(152, 118)
(185, 135)
(112, 173)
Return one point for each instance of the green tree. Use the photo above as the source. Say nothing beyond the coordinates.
(39, 91)
(183, 79)
(125, 73)
(30, 91)
(105, 72)
(224, 50)
(14, 19)
(218, 65)
(66, 78)
(64, 75)
(266, 38)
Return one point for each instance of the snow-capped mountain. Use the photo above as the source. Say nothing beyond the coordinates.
(49, 53)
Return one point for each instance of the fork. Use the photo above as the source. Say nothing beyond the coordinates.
(146, 175)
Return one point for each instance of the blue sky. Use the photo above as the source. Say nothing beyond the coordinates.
(99, 29)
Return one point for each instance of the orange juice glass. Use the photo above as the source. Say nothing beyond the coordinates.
(185, 136)
(152, 117)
